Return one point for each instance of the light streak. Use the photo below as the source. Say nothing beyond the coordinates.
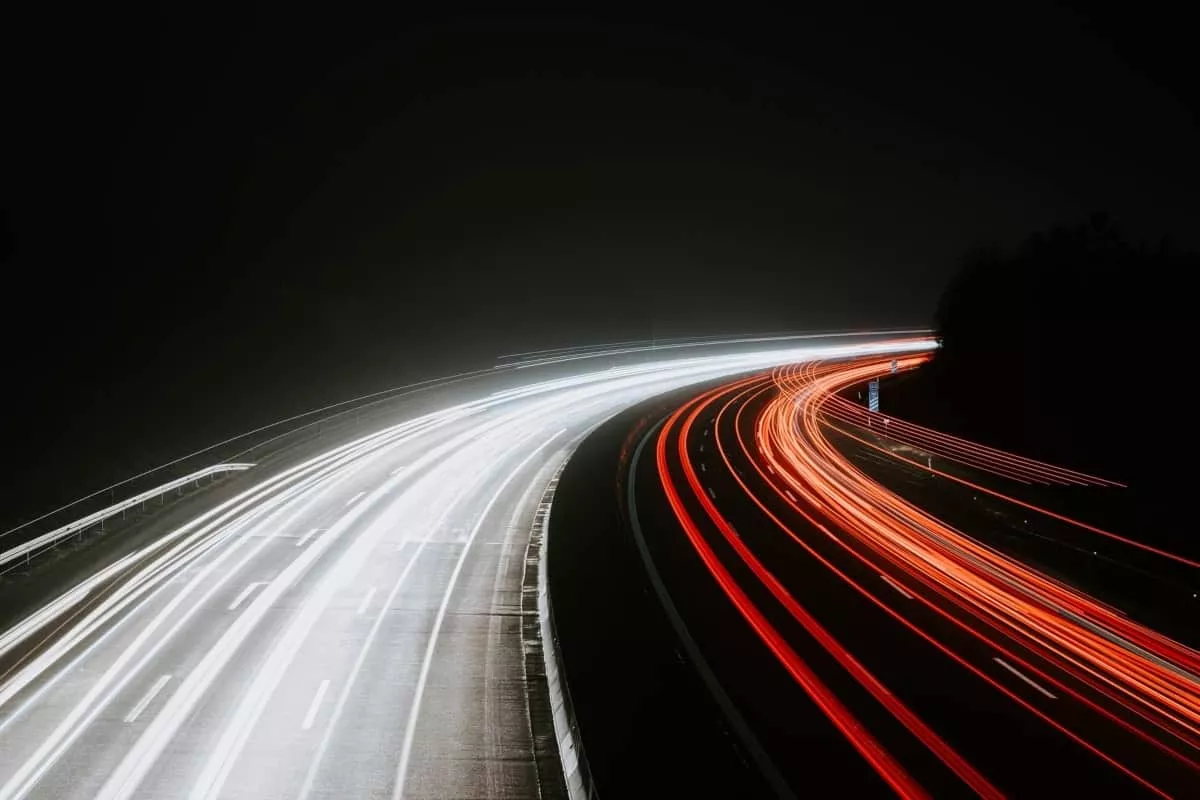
(1129, 676)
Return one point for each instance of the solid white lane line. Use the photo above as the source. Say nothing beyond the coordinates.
(355, 499)
(366, 601)
(303, 540)
(315, 706)
(145, 701)
(414, 711)
(241, 598)
(1013, 670)
(896, 586)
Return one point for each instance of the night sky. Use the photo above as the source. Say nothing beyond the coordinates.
(213, 220)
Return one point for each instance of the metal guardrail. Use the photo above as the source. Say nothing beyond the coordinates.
(254, 445)
(264, 442)
(32, 547)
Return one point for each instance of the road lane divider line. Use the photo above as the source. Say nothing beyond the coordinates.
(344, 695)
(366, 601)
(895, 586)
(427, 661)
(123, 782)
(241, 598)
(315, 706)
(147, 699)
(102, 693)
(303, 540)
(354, 499)
(733, 716)
(61, 738)
(229, 514)
(1014, 671)
(237, 731)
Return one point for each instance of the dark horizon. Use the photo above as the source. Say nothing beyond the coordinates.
(215, 222)
(891, 564)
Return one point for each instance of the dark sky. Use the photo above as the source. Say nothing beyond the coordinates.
(217, 218)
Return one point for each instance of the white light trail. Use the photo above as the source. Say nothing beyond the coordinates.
(144, 613)
(410, 727)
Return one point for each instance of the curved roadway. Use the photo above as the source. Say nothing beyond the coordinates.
(346, 627)
(941, 665)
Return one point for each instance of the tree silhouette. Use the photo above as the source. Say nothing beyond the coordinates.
(1062, 347)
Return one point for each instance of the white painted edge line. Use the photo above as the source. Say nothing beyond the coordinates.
(1013, 670)
(303, 540)
(355, 499)
(895, 586)
(366, 601)
(149, 697)
(241, 598)
(315, 706)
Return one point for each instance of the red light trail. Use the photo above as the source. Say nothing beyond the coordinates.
(1117, 674)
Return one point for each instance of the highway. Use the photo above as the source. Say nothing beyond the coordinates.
(349, 625)
(873, 647)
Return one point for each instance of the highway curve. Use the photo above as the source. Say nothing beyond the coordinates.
(860, 644)
(348, 625)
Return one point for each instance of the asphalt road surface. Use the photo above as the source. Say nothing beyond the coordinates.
(349, 626)
(872, 649)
